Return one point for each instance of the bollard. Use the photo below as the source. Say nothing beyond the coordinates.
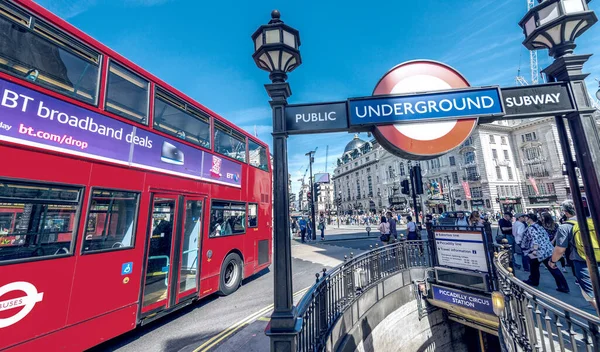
(368, 231)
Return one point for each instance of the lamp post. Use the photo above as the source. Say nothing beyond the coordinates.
(554, 25)
(276, 51)
(311, 159)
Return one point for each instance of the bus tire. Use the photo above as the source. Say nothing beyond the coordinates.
(231, 274)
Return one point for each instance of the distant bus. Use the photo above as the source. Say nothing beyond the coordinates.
(121, 199)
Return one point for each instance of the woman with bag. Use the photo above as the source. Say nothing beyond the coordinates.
(551, 228)
(411, 229)
(322, 226)
(384, 230)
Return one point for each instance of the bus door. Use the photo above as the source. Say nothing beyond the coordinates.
(172, 264)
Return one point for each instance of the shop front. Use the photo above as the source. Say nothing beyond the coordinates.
(510, 204)
(543, 203)
(478, 204)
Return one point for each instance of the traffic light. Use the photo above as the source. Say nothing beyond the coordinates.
(418, 179)
(317, 189)
(339, 202)
(405, 187)
(308, 195)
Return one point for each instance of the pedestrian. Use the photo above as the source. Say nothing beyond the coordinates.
(311, 236)
(322, 226)
(384, 230)
(518, 228)
(475, 219)
(569, 236)
(393, 229)
(295, 227)
(537, 246)
(411, 229)
(551, 228)
(505, 229)
(303, 226)
(461, 220)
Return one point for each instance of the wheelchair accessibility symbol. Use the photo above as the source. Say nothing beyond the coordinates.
(126, 268)
(32, 296)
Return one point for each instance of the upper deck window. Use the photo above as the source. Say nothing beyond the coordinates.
(127, 94)
(177, 118)
(37, 52)
(229, 142)
(257, 155)
(37, 220)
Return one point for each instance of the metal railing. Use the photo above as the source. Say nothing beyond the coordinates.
(534, 321)
(335, 290)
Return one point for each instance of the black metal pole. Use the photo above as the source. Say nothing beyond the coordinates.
(283, 327)
(312, 196)
(414, 193)
(577, 200)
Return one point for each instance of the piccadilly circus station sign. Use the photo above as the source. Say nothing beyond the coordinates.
(422, 109)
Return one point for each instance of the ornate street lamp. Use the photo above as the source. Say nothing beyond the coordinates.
(276, 48)
(276, 51)
(554, 25)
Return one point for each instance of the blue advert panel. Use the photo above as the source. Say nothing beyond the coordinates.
(430, 106)
(34, 119)
(463, 299)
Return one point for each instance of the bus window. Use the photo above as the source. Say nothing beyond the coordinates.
(229, 142)
(37, 220)
(44, 56)
(227, 218)
(176, 118)
(111, 220)
(127, 94)
(257, 155)
(252, 215)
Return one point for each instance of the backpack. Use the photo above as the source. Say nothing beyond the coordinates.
(579, 242)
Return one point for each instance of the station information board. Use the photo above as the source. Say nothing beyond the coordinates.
(461, 249)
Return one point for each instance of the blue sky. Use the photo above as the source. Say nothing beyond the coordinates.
(204, 49)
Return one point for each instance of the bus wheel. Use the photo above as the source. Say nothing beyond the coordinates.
(231, 274)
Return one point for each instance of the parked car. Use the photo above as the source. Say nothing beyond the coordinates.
(449, 218)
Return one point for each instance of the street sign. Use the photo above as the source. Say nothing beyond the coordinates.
(316, 118)
(551, 99)
(463, 299)
(457, 103)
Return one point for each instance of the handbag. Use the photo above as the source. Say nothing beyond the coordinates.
(385, 237)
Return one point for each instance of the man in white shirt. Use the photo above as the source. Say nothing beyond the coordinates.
(518, 229)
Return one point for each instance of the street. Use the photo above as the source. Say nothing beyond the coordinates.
(215, 321)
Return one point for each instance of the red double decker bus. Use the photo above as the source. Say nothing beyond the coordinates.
(121, 199)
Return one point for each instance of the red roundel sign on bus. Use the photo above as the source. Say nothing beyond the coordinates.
(422, 140)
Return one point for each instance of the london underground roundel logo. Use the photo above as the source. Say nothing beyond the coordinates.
(21, 305)
(422, 140)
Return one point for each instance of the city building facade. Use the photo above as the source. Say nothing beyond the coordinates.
(504, 166)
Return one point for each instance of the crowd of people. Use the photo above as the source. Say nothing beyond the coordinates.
(541, 239)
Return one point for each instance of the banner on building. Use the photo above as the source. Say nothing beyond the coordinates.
(467, 189)
(534, 185)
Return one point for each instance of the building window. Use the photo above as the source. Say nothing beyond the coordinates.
(358, 189)
(542, 188)
(472, 174)
(229, 142)
(227, 218)
(356, 164)
(469, 157)
(391, 172)
(111, 220)
(454, 177)
(175, 117)
(494, 153)
(252, 215)
(452, 161)
(468, 142)
(37, 220)
(369, 181)
(476, 192)
(528, 137)
(127, 94)
(492, 140)
(506, 156)
(503, 140)
(530, 190)
(257, 155)
(367, 159)
(551, 189)
(498, 190)
(47, 57)
(402, 171)
(532, 153)
(498, 173)
(510, 173)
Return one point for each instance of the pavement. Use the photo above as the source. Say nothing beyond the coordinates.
(548, 286)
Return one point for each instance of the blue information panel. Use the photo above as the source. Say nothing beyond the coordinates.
(463, 299)
(464, 103)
